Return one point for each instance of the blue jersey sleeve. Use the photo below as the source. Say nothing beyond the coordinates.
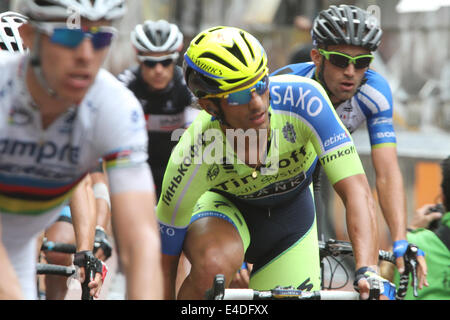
(375, 100)
(305, 69)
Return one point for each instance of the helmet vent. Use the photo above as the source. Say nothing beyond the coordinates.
(233, 80)
(43, 3)
(248, 45)
(214, 29)
(9, 32)
(199, 39)
(211, 56)
(260, 64)
(235, 51)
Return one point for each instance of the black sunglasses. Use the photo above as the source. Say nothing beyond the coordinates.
(342, 60)
(152, 63)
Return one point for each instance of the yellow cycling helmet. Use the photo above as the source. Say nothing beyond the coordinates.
(221, 59)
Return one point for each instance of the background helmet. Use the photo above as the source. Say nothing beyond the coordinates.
(346, 25)
(159, 36)
(62, 9)
(10, 39)
(220, 59)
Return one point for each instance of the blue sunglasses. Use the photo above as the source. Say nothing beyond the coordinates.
(101, 37)
(244, 96)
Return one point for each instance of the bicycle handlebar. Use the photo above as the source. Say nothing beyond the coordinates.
(218, 292)
(58, 246)
(43, 268)
(333, 247)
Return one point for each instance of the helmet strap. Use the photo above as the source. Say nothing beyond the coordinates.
(321, 78)
(220, 116)
(37, 67)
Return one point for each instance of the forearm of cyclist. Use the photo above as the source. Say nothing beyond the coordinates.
(138, 242)
(361, 219)
(102, 199)
(83, 215)
(390, 190)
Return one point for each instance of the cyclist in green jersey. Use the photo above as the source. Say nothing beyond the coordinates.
(238, 184)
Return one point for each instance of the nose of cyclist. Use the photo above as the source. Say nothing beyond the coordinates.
(349, 71)
(158, 68)
(85, 51)
(256, 101)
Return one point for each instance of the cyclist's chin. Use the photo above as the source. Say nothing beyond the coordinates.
(341, 95)
(73, 96)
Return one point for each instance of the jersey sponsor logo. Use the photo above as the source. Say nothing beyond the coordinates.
(213, 172)
(135, 116)
(306, 285)
(297, 99)
(336, 138)
(166, 230)
(293, 159)
(169, 106)
(228, 167)
(289, 132)
(338, 154)
(386, 134)
(277, 187)
(40, 151)
(165, 123)
(382, 120)
(206, 67)
(218, 204)
(37, 171)
(176, 180)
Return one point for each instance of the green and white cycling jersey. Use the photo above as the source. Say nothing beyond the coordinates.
(304, 129)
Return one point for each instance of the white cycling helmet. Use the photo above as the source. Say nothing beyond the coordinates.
(159, 36)
(93, 10)
(10, 39)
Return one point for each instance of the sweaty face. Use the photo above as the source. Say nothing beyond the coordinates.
(71, 71)
(157, 76)
(342, 82)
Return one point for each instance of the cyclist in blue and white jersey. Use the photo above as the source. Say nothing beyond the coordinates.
(60, 113)
(343, 39)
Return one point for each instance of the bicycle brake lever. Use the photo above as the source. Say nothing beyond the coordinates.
(412, 256)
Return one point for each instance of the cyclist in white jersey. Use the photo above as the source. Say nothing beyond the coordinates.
(11, 41)
(91, 194)
(60, 113)
(343, 39)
